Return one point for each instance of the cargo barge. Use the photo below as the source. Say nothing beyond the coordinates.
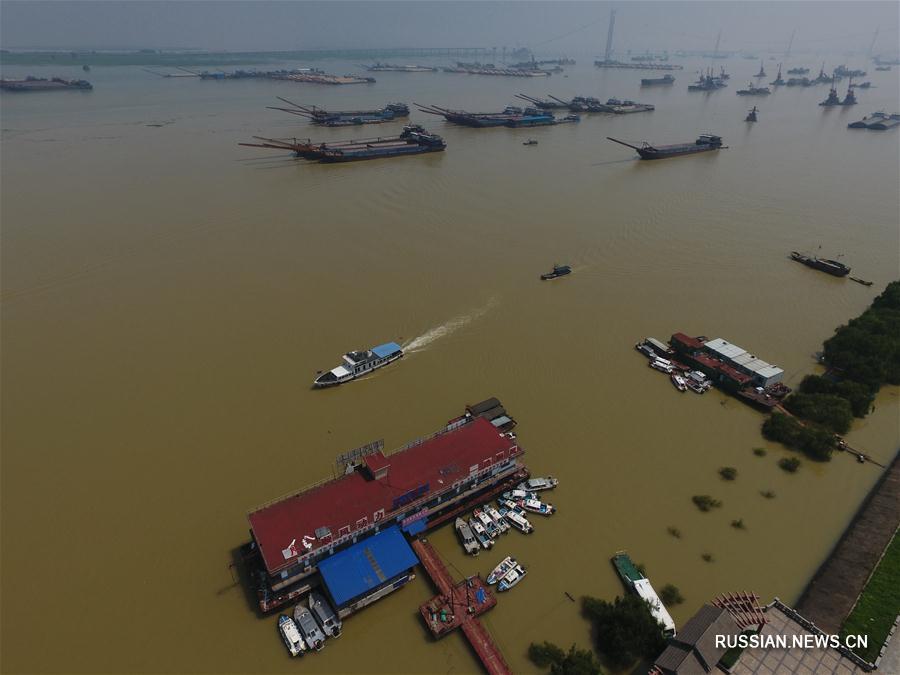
(342, 118)
(32, 83)
(511, 116)
(391, 68)
(704, 143)
(302, 540)
(651, 81)
(637, 583)
(637, 65)
(413, 141)
(832, 267)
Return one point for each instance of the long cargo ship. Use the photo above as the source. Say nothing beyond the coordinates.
(342, 118)
(512, 116)
(637, 66)
(428, 482)
(32, 83)
(704, 143)
(636, 582)
(832, 267)
(413, 141)
(357, 364)
(651, 81)
(391, 68)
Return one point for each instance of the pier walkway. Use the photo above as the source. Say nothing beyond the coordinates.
(458, 605)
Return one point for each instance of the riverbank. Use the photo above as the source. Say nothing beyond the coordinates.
(836, 586)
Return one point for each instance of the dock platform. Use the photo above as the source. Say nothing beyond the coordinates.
(458, 605)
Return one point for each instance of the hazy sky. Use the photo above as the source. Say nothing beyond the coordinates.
(554, 26)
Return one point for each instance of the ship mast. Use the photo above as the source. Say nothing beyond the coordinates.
(609, 34)
(790, 44)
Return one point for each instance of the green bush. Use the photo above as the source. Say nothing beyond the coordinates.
(789, 464)
(859, 396)
(830, 410)
(574, 662)
(625, 630)
(815, 442)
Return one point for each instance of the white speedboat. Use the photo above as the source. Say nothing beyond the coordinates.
(470, 544)
(537, 506)
(514, 576)
(697, 382)
(497, 518)
(662, 365)
(357, 364)
(517, 520)
(519, 494)
(326, 616)
(481, 534)
(537, 484)
(291, 636)
(501, 570)
(679, 382)
(309, 629)
(488, 523)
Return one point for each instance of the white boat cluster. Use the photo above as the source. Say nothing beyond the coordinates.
(312, 623)
(487, 524)
(682, 378)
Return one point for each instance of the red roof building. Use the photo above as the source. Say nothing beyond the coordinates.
(302, 527)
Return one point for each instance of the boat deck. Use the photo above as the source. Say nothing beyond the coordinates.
(458, 605)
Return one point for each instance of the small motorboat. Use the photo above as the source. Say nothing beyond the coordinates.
(309, 629)
(515, 518)
(530, 141)
(514, 576)
(537, 484)
(662, 365)
(501, 570)
(679, 382)
(537, 506)
(499, 520)
(291, 636)
(470, 544)
(492, 529)
(481, 534)
(697, 382)
(558, 271)
(326, 616)
(519, 494)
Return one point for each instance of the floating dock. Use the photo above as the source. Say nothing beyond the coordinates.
(458, 605)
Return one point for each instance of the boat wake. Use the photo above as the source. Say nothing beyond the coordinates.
(429, 337)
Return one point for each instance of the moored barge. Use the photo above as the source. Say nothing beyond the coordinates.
(32, 83)
(832, 267)
(704, 143)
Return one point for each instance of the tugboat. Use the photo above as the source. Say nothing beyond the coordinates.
(468, 540)
(753, 91)
(751, 116)
(357, 364)
(762, 71)
(704, 143)
(778, 81)
(291, 635)
(558, 271)
(833, 98)
(832, 267)
(329, 620)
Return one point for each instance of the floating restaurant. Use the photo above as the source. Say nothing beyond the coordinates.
(347, 532)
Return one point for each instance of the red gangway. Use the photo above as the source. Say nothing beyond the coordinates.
(456, 608)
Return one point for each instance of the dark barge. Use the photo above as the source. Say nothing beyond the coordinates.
(704, 143)
(832, 267)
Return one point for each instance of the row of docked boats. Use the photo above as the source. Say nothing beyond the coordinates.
(683, 378)
(312, 623)
(487, 522)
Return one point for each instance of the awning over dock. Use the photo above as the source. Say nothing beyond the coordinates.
(367, 566)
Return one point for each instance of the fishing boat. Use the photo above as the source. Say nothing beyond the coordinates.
(704, 143)
(558, 271)
(538, 484)
(309, 629)
(514, 576)
(470, 544)
(357, 364)
(291, 636)
(832, 267)
(501, 570)
(326, 616)
(530, 141)
(751, 116)
(490, 526)
(481, 534)
(499, 520)
(537, 506)
(679, 382)
(636, 582)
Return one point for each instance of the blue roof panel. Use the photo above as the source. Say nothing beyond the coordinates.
(366, 565)
(385, 350)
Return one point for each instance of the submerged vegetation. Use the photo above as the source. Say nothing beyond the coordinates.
(789, 464)
(768, 494)
(738, 524)
(674, 531)
(705, 502)
(728, 473)
(670, 595)
(625, 630)
(860, 358)
(574, 662)
(759, 452)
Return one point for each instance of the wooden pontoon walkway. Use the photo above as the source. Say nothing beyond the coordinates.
(457, 606)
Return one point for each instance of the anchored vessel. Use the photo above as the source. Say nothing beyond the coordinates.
(558, 271)
(798, 71)
(751, 116)
(878, 121)
(342, 118)
(778, 79)
(291, 636)
(326, 617)
(832, 267)
(308, 627)
(413, 141)
(704, 143)
(32, 83)
(470, 544)
(650, 81)
(709, 82)
(511, 116)
(389, 67)
(359, 363)
(635, 581)
(753, 91)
